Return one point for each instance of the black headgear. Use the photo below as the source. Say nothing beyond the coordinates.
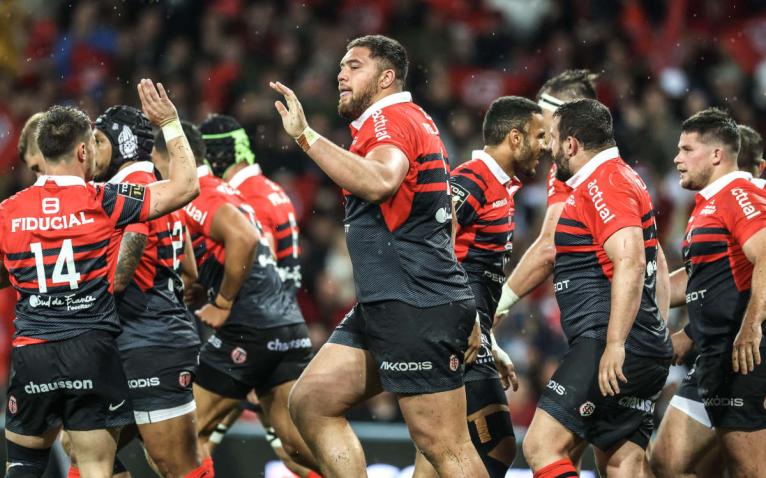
(226, 143)
(130, 133)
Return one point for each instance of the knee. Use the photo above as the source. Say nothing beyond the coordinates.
(531, 446)
(664, 463)
(300, 401)
(26, 462)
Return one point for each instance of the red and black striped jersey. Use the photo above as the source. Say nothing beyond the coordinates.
(276, 216)
(607, 195)
(263, 301)
(402, 249)
(558, 191)
(726, 214)
(58, 242)
(151, 308)
(484, 207)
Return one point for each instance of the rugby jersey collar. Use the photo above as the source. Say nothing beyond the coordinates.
(60, 180)
(203, 171)
(501, 176)
(591, 166)
(243, 174)
(138, 166)
(401, 97)
(715, 187)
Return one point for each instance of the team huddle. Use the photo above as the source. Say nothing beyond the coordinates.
(143, 225)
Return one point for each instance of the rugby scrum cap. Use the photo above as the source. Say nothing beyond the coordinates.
(226, 143)
(130, 133)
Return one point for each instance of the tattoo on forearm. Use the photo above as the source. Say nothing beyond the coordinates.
(131, 250)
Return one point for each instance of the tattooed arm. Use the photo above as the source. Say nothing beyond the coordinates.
(131, 250)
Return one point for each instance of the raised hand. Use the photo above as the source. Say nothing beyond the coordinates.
(293, 117)
(155, 103)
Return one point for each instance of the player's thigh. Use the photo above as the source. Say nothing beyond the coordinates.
(625, 460)
(681, 442)
(212, 408)
(174, 439)
(745, 451)
(547, 440)
(94, 446)
(436, 419)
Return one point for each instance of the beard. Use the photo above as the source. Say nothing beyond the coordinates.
(354, 108)
(563, 172)
(529, 161)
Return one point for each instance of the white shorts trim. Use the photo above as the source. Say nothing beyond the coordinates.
(696, 410)
(143, 418)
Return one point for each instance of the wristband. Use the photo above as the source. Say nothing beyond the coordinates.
(172, 130)
(507, 298)
(307, 139)
(226, 302)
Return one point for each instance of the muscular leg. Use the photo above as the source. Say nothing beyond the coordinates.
(548, 441)
(682, 443)
(351, 374)
(437, 425)
(95, 450)
(624, 460)
(211, 409)
(172, 445)
(222, 427)
(744, 451)
(274, 405)
(28, 455)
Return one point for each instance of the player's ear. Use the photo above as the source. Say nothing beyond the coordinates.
(387, 78)
(573, 146)
(717, 155)
(81, 151)
(515, 138)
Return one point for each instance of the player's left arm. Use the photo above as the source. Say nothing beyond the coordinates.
(374, 177)
(662, 290)
(746, 354)
(625, 249)
(131, 250)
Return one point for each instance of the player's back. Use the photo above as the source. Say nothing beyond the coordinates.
(276, 215)
(58, 243)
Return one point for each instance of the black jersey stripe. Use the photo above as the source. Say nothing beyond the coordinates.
(54, 251)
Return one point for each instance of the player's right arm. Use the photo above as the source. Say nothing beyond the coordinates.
(182, 184)
(535, 266)
(682, 341)
(131, 250)
(240, 240)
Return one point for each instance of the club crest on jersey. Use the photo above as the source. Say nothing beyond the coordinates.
(185, 379)
(454, 363)
(135, 191)
(13, 406)
(238, 355)
(128, 143)
(587, 409)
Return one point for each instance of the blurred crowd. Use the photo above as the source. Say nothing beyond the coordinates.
(659, 61)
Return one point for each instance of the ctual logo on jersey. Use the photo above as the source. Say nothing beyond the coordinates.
(278, 198)
(13, 406)
(636, 403)
(55, 223)
(127, 142)
(379, 125)
(185, 379)
(743, 199)
(587, 409)
(597, 197)
(454, 363)
(239, 355)
(707, 210)
(195, 214)
(148, 382)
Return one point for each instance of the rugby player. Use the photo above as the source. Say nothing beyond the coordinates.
(56, 242)
(261, 341)
(724, 241)
(686, 444)
(483, 190)
(605, 273)
(409, 331)
(159, 343)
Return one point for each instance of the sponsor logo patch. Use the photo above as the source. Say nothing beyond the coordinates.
(135, 191)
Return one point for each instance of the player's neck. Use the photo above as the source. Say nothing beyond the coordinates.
(502, 160)
(233, 169)
(383, 93)
(721, 171)
(64, 168)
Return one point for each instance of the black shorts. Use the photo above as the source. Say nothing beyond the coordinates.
(732, 400)
(688, 400)
(572, 396)
(160, 381)
(483, 368)
(417, 350)
(238, 359)
(78, 383)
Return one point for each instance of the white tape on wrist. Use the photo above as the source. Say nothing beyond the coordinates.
(172, 130)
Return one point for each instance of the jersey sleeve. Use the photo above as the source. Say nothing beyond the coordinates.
(745, 212)
(126, 203)
(467, 196)
(199, 215)
(264, 211)
(389, 127)
(558, 191)
(610, 204)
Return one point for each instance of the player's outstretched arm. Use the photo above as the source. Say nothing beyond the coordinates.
(535, 265)
(374, 178)
(746, 353)
(625, 249)
(240, 239)
(182, 184)
(131, 249)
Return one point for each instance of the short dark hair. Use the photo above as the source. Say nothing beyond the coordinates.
(716, 124)
(60, 130)
(588, 121)
(390, 52)
(192, 135)
(571, 85)
(28, 136)
(750, 148)
(507, 113)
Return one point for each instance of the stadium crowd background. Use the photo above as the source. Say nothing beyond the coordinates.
(659, 62)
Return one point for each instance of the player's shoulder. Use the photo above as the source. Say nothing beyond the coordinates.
(742, 194)
(139, 172)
